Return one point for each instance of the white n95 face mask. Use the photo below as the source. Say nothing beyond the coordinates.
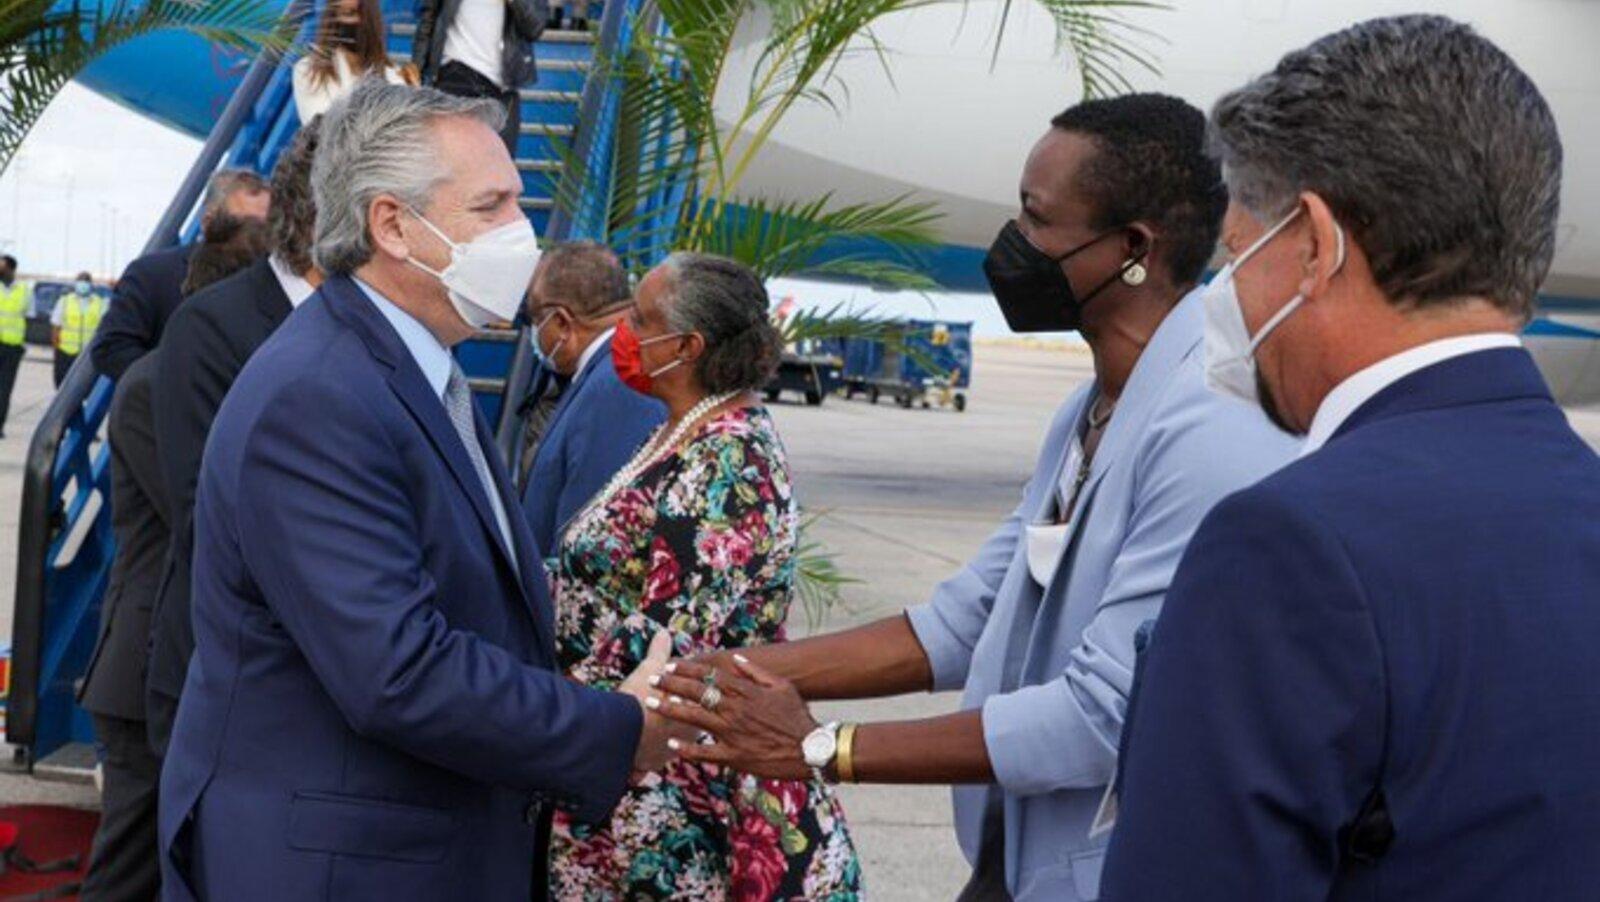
(1230, 351)
(488, 277)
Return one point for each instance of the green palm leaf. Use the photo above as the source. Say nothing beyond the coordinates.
(1101, 40)
(43, 47)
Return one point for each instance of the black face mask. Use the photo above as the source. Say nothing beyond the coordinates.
(1032, 289)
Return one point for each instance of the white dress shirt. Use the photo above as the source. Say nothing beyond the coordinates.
(593, 349)
(432, 357)
(293, 284)
(1348, 396)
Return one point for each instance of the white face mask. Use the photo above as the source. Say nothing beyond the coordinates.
(488, 276)
(1230, 351)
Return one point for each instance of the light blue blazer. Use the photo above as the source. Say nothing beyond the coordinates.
(1052, 668)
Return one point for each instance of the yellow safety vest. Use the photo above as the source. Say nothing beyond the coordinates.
(13, 314)
(78, 321)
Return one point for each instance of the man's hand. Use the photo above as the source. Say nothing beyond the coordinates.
(653, 752)
(758, 725)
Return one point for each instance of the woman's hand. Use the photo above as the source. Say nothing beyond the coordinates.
(757, 725)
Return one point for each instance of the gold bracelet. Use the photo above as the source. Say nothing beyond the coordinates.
(844, 760)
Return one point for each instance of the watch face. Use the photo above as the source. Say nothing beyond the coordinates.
(819, 747)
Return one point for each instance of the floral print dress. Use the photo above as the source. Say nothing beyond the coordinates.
(703, 543)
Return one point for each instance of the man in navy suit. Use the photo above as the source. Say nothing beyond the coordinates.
(373, 709)
(579, 293)
(1376, 675)
(151, 288)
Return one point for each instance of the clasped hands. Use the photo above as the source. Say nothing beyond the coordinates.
(719, 709)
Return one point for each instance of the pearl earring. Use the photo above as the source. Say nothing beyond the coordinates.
(1135, 274)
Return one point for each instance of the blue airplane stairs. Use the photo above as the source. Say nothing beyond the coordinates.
(65, 543)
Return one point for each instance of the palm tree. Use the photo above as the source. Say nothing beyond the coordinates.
(45, 43)
(1100, 39)
(670, 175)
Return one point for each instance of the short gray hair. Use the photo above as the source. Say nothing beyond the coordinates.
(585, 276)
(379, 140)
(726, 302)
(1428, 143)
(225, 183)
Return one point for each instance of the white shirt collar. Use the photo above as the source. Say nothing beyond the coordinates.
(1348, 396)
(432, 357)
(593, 349)
(294, 285)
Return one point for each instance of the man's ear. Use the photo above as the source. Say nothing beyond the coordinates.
(1325, 255)
(384, 217)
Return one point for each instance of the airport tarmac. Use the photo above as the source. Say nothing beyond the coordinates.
(905, 496)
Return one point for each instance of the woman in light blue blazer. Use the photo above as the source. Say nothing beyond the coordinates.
(1120, 214)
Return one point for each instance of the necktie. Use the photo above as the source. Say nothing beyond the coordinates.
(458, 404)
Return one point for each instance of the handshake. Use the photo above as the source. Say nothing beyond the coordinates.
(719, 709)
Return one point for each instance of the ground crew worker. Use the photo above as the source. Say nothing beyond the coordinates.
(14, 298)
(76, 316)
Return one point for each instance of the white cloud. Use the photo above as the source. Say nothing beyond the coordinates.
(116, 169)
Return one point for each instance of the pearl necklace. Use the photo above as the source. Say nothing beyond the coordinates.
(652, 452)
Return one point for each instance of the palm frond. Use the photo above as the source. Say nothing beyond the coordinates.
(818, 581)
(43, 47)
(779, 238)
(1102, 41)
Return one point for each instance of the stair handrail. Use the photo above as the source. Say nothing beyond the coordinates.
(599, 109)
(60, 448)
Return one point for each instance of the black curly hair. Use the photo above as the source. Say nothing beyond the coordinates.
(293, 217)
(1152, 166)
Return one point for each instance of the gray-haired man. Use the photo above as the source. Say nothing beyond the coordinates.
(151, 287)
(373, 710)
(1375, 676)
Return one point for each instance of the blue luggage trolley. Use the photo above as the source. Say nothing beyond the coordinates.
(930, 364)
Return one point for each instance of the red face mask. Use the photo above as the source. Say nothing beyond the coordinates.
(628, 360)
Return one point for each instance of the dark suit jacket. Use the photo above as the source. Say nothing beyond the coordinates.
(525, 21)
(594, 431)
(374, 703)
(114, 684)
(1411, 615)
(149, 290)
(206, 345)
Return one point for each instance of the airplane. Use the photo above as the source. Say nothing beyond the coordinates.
(952, 116)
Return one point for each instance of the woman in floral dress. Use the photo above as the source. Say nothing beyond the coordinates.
(696, 536)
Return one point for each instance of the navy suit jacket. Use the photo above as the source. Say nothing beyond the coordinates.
(593, 433)
(1377, 675)
(149, 290)
(372, 711)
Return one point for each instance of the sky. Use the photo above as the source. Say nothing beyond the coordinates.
(93, 179)
(89, 186)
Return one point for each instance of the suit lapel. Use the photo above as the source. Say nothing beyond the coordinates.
(271, 301)
(530, 565)
(602, 355)
(413, 390)
(1175, 339)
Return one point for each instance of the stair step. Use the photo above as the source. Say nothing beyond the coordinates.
(72, 763)
(535, 95)
(547, 130)
(565, 36)
(537, 203)
(496, 335)
(550, 36)
(564, 65)
(539, 165)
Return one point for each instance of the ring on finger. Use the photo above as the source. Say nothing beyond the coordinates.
(711, 698)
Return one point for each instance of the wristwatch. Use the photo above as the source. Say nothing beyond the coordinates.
(819, 748)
